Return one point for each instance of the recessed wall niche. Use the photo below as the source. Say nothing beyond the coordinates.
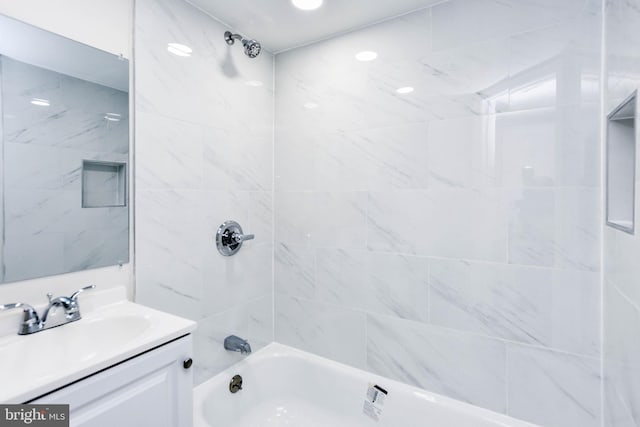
(103, 184)
(621, 165)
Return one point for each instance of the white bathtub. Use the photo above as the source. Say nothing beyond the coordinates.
(283, 386)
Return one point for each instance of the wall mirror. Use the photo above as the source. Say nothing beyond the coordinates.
(64, 154)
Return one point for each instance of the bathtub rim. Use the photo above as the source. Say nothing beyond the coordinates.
(276, 350)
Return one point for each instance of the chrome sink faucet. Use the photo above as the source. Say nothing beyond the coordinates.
(32, 323)
(234, 343)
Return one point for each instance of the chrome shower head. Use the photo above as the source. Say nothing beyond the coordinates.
(251, 47)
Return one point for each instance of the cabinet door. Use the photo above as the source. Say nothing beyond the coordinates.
(153, 389)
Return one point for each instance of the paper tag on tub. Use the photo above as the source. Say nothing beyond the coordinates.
(374, 401)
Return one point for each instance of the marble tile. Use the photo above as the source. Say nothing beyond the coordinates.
(480, 68)
(251, 320)
(450, 223)
(548, 147)
(463, 153)
(93, 248)
(340, 277)
(170, 245)
(33, 167)
(396, 157)
(75, 116)
(622, 269)
(294, 161)
(558, 65)
(375, 158)
(168, 153)
(622, 43)
(205, 155)
(329, 331)
(461, 366)
(462, 22)
(553, 389)
(539, 306)
(229, 281)
(260, 220)
(555, 228)
(158, 290)
(621, 350)
(295, 271)
(352, 95)
(397, 221)
(237, 160)
(20, 251)
(31, 212)
(616, 413)
(322, 219)
(397, 286)
(210, 83)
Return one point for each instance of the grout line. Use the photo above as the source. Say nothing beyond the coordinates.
(273, 203)
(454, 331)
(603, 92)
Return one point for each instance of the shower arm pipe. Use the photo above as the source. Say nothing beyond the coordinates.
(231, 38)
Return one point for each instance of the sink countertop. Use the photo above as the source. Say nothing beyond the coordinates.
(111, 330)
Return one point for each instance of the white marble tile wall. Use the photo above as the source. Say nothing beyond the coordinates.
(621, 250)
(43, 149)
(203, 155)
(448, 237)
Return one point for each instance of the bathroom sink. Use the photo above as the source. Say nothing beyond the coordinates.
(81, 341)
(32, 365)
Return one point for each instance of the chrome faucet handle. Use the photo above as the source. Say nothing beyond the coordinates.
(239, 237)
(74, 296)
(30, 320)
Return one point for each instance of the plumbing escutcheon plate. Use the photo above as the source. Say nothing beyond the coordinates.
(226, 241)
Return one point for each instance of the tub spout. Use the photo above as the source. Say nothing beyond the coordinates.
(234, 343)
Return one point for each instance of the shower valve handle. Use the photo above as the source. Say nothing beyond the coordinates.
(230, 237)
(238, 237)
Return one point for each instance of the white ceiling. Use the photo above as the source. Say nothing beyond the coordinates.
(278, 25)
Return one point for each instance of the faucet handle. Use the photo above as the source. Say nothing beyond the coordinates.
(239, 237)
(30, 319)
(25, 307)
(74, 296)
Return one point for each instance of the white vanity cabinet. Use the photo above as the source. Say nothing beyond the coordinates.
(151, 389)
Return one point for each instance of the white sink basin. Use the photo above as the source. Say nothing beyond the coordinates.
(32, 365)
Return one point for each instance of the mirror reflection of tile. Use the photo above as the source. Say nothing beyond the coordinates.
(52, 123)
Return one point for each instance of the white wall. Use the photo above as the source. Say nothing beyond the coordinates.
(104, 24)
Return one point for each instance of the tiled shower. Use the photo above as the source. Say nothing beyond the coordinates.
(432, 214)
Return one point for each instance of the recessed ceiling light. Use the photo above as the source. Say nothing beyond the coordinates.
(403, 90)
(366, 55)
(311, 105)
(112, 117)
(179, 49)
(253, 83)
(307, 4)
(40, 102)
